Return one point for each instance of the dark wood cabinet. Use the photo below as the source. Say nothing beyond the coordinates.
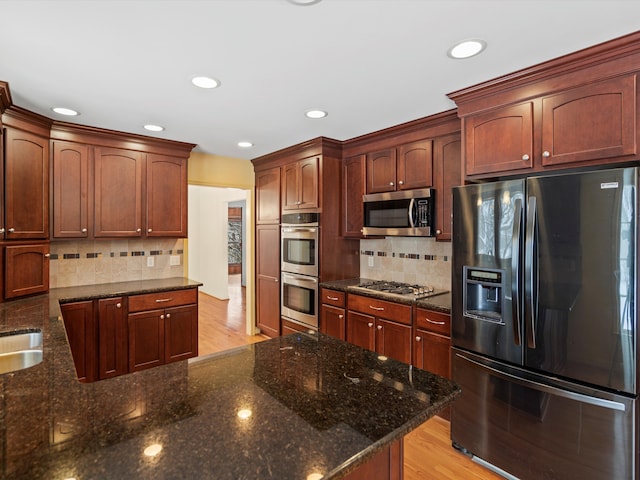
(268, 196)
(353, 184)
(26, 185)
(268, 279)
(409, 166)
(118, 192)
(70, 200)
(447, 173)
(166, 196)
(387, 464)
(333, 318)
(79, 323)
(378, 325)
(162, 328)
(26, 269)
(112, 338)
(300, 184)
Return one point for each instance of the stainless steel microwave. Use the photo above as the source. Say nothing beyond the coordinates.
(406, 213)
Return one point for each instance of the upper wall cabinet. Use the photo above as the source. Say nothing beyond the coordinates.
(268, 196)
(103, 190)
(576, 111)
(447, 173)
(300, 184)
(406, 167)
(26, 177)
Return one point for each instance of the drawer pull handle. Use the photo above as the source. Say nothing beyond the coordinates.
(379, 309)
(434, 321)
(162, 300)
(335, 299)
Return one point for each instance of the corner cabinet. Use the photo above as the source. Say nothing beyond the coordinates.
(447, 173)
(354, 177)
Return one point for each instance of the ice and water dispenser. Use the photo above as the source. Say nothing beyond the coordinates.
(483, 293)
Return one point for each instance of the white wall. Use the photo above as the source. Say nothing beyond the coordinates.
(208, 210)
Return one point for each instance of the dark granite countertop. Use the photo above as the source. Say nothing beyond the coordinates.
(441, 303)
(317, 405)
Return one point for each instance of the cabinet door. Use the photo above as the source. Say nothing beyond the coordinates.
(26, 185)
(593, 122)
(146, 339)
(415, 165)
(181, 333)
(268, 279)
(166, 196)
(268, 196)
(447, 171)
(78, 318)
(118, 193)
(26, 270)
(432, 352)
(308, 183)
(393, 340)
(500, 140)
(290, 197)
(360, 330)
(112, 338)
(381, 171)
(70, 190)
(353, 172)
(333, 321)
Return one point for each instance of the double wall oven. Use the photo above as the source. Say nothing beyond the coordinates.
(299, 268)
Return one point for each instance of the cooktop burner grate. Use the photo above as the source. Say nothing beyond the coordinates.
(399, 288)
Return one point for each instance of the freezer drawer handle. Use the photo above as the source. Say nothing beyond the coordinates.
(579, 397)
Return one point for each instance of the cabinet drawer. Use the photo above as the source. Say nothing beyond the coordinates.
(380, 308)
(433, 321)
(153, 301)
(332, 297)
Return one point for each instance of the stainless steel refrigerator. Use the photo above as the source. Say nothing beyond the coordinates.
(544, 322)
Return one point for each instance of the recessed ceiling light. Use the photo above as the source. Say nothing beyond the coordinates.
(65, 111)
(153, 128)
(245, 144)
(153, 450)
(467, 48)
(316, 114)
(304, 2)
(205, 82)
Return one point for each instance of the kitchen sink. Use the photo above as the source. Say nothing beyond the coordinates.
(20, 350)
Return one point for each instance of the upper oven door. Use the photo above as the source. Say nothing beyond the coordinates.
(300, 250)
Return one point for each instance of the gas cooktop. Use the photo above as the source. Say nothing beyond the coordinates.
(404, 290)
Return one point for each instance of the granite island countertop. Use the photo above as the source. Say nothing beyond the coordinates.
(441, 303)
(316, 404)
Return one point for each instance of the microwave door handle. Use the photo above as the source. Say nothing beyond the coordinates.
(412, 222)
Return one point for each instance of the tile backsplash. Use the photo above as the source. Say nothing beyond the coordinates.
(87, 262)
(415, 260)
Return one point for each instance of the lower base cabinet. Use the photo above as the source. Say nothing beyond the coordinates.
(107, 339)
(385, 465)
(333, 318)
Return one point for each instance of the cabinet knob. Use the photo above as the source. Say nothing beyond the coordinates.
(400, 182)
(340, 316)
(11, 230)
(525, 157)
(391, 184)
(161, 317)
(168, 315)
(2, 230)
(47, 255)
(84, 230)
(275, 280)
(118, 305)
(438, 232)
(418, 339)
(546, 154)
(370, 324)
(149, 230)
(379, 327)
(138, 230)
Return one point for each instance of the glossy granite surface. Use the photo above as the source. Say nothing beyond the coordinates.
(318, 405)
(440, 303)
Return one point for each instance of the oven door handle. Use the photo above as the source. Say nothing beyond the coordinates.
(299, 278)
(298, 230)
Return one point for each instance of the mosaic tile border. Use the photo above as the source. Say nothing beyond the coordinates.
(405, 256)
(136, 253)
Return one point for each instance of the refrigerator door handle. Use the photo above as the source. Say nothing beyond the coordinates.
(515, 271)
(578, 397)
(530, 266)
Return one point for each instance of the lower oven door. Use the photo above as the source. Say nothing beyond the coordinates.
(300, 298)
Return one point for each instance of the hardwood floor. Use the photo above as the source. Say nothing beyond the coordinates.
(428, 454)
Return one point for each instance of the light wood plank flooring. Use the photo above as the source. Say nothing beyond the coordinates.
(428, 454)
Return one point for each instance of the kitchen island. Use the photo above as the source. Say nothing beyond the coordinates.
(304, 406)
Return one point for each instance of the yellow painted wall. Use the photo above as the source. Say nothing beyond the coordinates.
(227, 172)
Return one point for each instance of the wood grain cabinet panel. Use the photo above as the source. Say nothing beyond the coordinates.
(26, 185)
(26, 269)
(268, 279)
(146, 339)
(300, 184)
(70, 190)
(354, 178)
(447, 173)
(406, 167)
(393, 340)
(268, 196)
(381, 171)
(181, 333)
(333, 318)
(112, 338)
(118, 192)
(166, 196)
(79, 324)
(361, 330)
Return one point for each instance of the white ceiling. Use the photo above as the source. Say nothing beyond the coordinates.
(371, 64)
